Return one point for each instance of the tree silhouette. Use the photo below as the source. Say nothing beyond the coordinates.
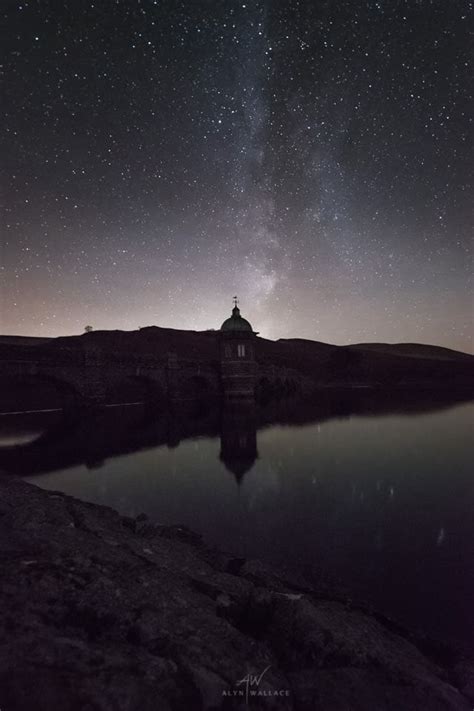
(88, 329)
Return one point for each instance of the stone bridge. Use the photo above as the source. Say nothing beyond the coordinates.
(93, 377)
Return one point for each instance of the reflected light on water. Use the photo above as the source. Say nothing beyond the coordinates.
(364, 501)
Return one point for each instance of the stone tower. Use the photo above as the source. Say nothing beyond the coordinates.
(237, 355)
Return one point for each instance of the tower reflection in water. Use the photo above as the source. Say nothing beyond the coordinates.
(238, 434)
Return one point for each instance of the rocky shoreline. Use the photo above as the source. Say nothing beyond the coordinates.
(100, 612)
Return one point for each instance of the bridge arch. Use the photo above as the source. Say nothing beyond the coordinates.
(277, 386)
(263, 389)
(131, 388)
(197, 388)
(37, 391)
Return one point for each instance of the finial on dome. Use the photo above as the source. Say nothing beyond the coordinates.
(236, 322)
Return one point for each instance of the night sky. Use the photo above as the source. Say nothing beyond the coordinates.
(312, 157)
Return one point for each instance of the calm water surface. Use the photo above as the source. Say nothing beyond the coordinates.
(380, 503)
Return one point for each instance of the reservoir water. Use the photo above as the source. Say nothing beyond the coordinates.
(372, 496)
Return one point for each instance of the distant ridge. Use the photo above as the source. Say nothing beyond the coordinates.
(153, 336)
(375, 365)
(415, 350)
(411, 350)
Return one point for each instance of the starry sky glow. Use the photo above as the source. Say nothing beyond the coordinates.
(160, 156)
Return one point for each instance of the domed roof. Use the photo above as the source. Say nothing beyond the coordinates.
(236, 322)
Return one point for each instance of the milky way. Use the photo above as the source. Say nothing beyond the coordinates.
(311, 157)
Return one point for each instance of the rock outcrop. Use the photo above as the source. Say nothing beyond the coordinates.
(99, 612)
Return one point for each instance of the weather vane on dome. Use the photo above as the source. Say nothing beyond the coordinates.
(236, 301)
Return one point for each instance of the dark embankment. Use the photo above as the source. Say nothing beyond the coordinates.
(378, 365)
(98, 611)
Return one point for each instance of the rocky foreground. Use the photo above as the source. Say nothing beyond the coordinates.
(100, 612)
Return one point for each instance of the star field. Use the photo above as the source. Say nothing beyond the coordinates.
(312, 157)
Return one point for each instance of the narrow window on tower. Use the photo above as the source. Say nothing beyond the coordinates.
(241, 351)
(227, 351)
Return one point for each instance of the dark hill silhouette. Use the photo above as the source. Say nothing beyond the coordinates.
(401, 364)
(376, 363)
(416, 350)
(370, 364)
(153, 340)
